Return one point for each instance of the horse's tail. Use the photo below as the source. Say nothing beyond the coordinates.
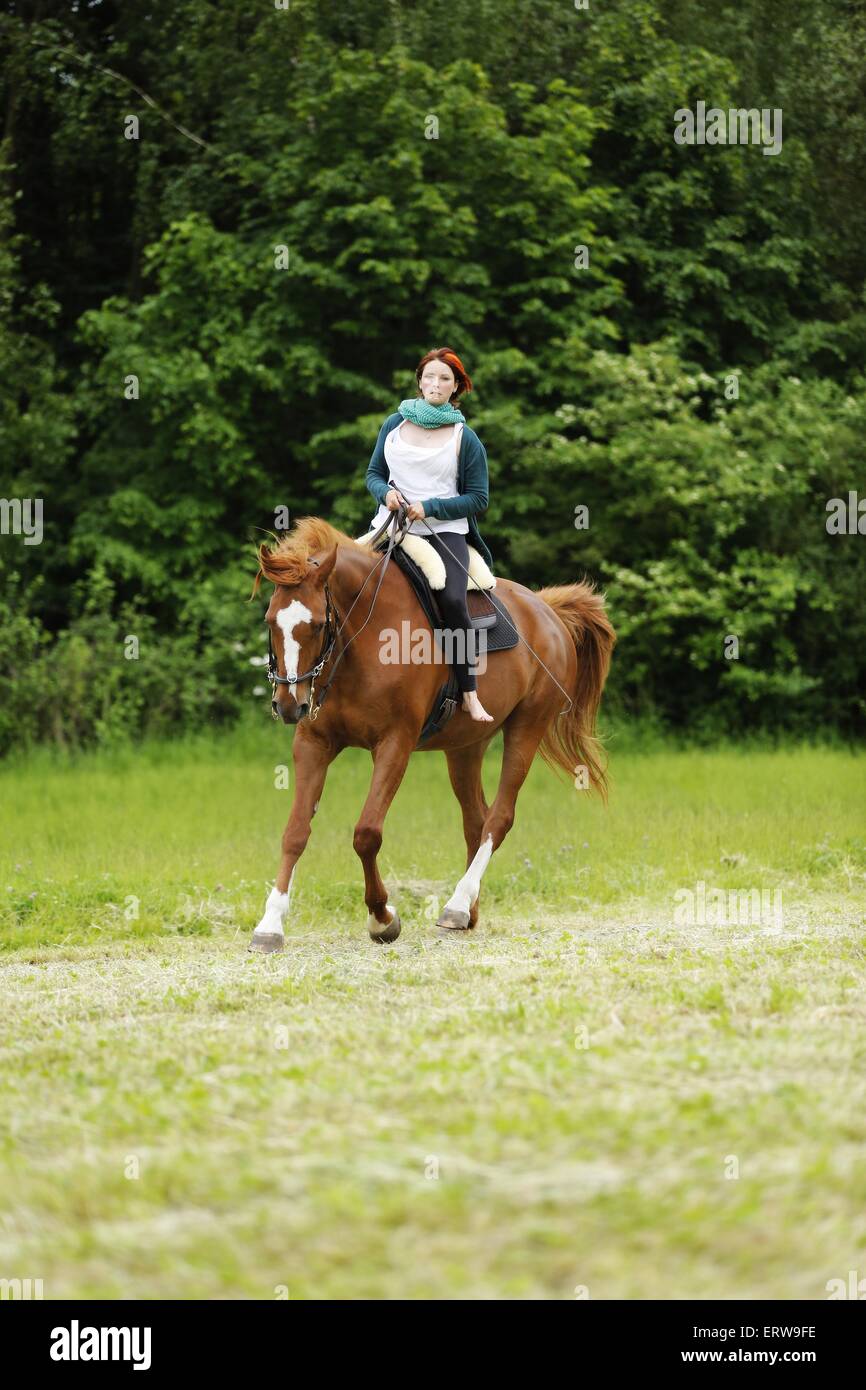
(570, 741)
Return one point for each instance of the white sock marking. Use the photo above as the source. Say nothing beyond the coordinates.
(469, 886)
(373, 923)
(276, 911)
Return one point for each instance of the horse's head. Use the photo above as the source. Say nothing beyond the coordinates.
(296, 617)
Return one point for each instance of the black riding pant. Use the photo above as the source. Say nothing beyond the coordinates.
(453, 549)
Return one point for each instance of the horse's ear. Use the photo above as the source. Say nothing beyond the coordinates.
(324, 564)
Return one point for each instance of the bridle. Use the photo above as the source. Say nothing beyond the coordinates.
(397, 522)
(328, 644)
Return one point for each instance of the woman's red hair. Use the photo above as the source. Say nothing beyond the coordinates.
(449, 357)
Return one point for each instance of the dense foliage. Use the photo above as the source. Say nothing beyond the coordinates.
(196, 331)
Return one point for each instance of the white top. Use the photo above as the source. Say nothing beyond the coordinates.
(421, 472)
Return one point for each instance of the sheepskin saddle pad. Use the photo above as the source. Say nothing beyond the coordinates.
(431, 566)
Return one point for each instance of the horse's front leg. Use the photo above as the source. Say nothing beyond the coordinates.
(522, 735)
(390, 758)
(312, 756)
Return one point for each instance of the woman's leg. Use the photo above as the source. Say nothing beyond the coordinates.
(453, 548)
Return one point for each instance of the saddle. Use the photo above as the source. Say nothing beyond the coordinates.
(425, 572)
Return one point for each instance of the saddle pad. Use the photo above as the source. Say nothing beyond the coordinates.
(430, 563)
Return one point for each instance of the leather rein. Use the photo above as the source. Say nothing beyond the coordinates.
(398, 524)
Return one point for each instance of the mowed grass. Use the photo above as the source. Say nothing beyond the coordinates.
(589, 1094)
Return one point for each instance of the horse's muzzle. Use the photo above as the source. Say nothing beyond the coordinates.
(293, 715)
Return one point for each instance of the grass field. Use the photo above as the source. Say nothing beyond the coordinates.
(592, 1094)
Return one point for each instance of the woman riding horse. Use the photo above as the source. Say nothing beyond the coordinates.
(428, 459)
(326, 625)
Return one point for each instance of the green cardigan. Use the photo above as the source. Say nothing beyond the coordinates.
(472, 483)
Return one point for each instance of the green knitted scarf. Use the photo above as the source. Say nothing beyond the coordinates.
(430, 417)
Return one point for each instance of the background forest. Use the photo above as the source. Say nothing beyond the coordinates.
(695, 379)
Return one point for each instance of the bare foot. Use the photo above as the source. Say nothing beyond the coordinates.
(473, 706)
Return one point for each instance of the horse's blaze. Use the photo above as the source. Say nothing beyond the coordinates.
(287, 620)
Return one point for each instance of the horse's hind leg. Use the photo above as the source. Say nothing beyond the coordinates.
(312, 756)
(522, 733)
(464, 769)
(390, 759)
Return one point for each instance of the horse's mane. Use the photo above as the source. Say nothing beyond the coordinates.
(288, 562)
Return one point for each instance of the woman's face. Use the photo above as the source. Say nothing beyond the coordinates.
(437, 383)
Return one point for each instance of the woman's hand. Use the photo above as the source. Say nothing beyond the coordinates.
(416, 511)
(395, 499)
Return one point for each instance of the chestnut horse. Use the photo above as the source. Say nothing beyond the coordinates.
(545, 700)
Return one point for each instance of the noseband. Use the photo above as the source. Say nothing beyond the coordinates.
(399, 527)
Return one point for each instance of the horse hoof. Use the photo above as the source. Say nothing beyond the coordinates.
(388, 933)
(267, 941)
(452, 919)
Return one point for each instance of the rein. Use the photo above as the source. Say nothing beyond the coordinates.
(397, 522)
